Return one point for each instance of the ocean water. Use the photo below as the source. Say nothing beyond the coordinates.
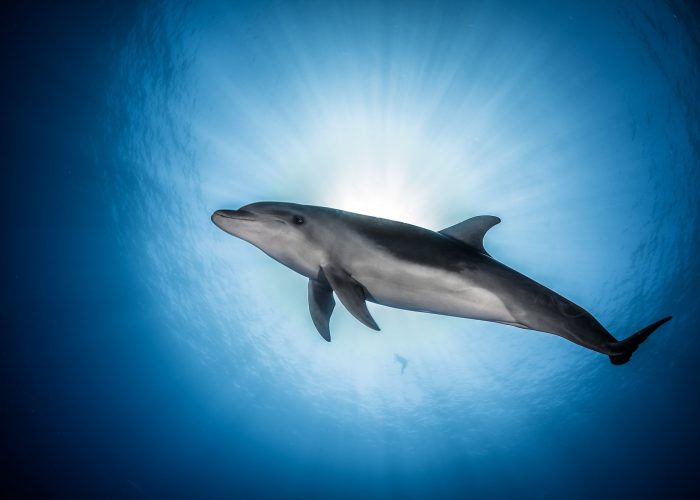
(147, 354)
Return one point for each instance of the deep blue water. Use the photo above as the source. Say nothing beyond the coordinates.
(147, 354)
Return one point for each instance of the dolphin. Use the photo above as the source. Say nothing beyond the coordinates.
(448, 272)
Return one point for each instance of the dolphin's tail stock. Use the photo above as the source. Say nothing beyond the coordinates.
(622, 350)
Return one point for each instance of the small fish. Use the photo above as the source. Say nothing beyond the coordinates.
(402, 361)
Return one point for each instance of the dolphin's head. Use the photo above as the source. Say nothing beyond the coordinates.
(285, 231)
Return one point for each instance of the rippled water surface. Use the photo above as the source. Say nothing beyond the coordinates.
(174, 359)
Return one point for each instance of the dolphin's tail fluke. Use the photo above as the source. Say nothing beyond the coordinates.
(622, 351)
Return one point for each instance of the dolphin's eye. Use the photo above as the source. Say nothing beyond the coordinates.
(298, 219)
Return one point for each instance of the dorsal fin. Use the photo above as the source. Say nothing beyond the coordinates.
(472, 231)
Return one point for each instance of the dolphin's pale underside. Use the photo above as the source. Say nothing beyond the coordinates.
(362, 258)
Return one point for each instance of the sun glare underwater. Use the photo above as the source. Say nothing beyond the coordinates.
(576, 124)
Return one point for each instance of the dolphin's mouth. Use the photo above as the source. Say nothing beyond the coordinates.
(234, 214)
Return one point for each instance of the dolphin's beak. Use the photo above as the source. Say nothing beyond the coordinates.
(223, 218)
(233, 214)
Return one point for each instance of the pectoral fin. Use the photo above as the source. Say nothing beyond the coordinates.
(351, 294)
(321, 304)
